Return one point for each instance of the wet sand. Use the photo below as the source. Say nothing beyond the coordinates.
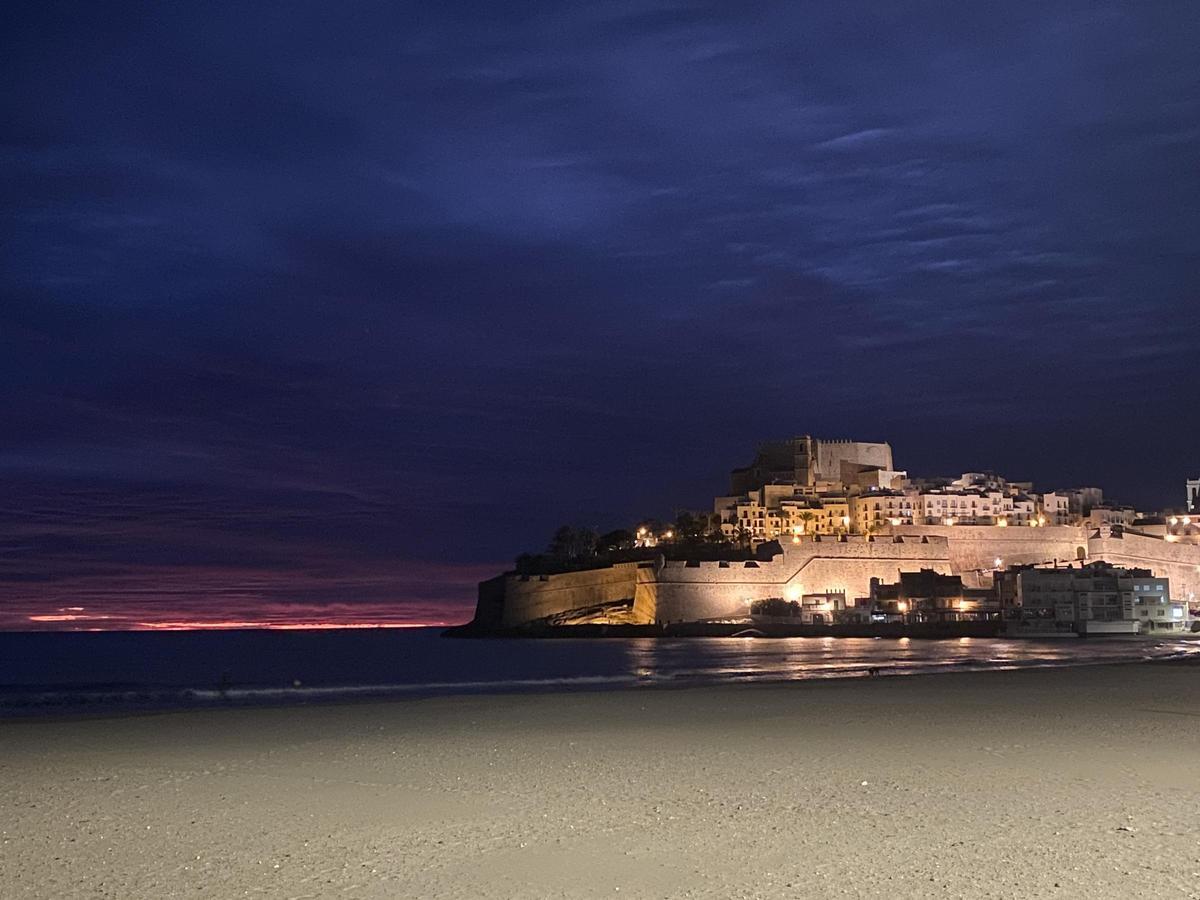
(1079, 782)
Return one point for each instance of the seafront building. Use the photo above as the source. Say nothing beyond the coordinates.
(827, 519)
(928, 596)
(1095, 598)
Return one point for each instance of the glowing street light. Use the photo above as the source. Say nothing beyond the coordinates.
(1002, 522)
(998, 562)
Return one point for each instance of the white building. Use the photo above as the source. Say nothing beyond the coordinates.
(1092, 598)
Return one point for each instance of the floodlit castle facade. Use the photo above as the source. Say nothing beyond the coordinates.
(824, 519)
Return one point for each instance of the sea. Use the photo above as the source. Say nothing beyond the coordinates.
(102, 673)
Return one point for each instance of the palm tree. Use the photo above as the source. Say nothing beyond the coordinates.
(742, 535)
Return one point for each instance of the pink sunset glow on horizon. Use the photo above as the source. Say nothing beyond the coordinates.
(161, 598)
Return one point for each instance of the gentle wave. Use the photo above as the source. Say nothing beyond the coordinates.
(644, 664)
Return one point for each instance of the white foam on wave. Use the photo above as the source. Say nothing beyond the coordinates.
(62, 700)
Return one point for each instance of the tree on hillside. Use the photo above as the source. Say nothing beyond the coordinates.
(620, 539)
(713, 529)
(742, 536)
(689, 528)
(572, 544)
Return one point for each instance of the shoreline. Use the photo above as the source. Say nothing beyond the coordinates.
(771, 630)
(134, 700)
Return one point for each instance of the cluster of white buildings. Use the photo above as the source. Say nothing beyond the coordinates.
(853, 488)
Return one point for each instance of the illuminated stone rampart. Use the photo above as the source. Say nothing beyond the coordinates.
(675, 591)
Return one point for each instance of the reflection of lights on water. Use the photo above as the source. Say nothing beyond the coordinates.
(795, 659)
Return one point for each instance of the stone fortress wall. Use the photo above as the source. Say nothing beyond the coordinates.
(1180, 562)
(974, 549)
(675, 591)
(528, 598)
(707, 590)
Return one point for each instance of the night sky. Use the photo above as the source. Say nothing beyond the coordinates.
(325, 312)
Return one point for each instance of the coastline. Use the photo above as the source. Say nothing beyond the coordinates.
(939, 630)
(1065, 782)
(99, 674)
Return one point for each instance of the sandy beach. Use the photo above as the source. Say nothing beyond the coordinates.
(1079, 782)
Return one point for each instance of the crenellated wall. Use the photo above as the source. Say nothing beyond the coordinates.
(974, 549)
(1180, 562)
(643, 593)
(708, 590)
(533, 597)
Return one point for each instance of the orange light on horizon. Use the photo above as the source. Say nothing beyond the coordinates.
(117, 623)
(278, 626)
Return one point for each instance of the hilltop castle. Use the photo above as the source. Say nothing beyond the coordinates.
(829, 517)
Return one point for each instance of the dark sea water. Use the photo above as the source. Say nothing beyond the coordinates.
(102, 672)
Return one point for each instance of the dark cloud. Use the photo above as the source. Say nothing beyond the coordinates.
(384, 290)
